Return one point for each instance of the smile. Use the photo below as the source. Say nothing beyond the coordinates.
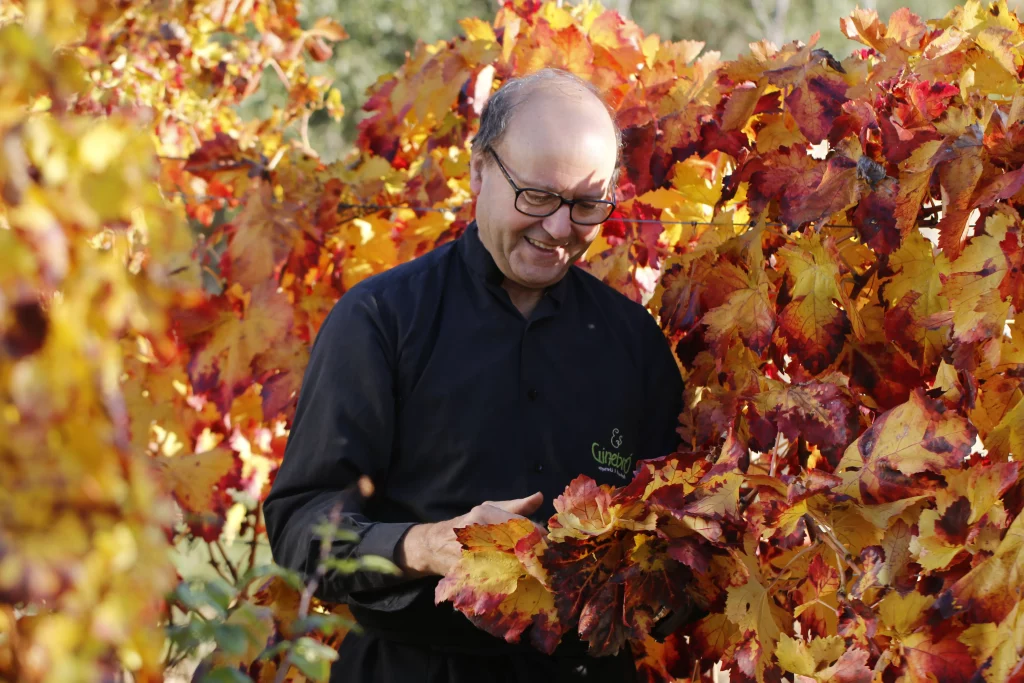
(540, 245)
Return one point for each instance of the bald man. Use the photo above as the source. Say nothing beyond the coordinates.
(471, 385)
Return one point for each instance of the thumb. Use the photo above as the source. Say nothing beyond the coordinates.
(522, 506)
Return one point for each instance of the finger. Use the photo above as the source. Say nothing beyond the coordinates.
(521, 506)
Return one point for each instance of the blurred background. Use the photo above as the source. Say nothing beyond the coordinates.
(383, 30)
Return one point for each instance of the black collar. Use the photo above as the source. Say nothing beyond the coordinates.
(480, 261)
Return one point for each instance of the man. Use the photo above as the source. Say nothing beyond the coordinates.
(488, 369)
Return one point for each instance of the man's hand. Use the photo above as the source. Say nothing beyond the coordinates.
(433, 549)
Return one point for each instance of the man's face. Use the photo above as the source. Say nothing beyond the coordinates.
(556, 143)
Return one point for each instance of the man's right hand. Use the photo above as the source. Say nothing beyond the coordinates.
(433, 549)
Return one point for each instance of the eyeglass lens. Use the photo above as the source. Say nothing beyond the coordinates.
(540, 204)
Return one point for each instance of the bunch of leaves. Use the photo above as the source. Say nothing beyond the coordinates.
(103, 444)
(611, 564)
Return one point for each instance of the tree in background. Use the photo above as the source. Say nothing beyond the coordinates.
(381, 34)
(730, 25)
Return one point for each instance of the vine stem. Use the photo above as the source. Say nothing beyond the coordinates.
(255, 535)
(830, 539)
(749, 498)
(214, 563)
(307, 593)
(814, 544)
(231, 567)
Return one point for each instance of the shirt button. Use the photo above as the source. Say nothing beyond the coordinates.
(532, 394)
(539, 467)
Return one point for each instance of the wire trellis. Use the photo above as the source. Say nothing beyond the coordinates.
(373, 208)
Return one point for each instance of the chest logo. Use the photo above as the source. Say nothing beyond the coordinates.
(612, 459)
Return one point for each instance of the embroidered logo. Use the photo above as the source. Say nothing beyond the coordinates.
(613, 461)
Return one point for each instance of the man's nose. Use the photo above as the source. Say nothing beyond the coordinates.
(559, 224)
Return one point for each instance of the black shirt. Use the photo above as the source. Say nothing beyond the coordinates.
(428, 380)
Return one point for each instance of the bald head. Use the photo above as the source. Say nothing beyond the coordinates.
(546, 93)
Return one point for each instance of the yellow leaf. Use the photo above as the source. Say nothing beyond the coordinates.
(478, 29)
(896, 545)
(920, 435)
(225, 360)
(812, 323)
(663, 198)
(993, 586)
(883, 514)
(100, 145)
(827, 650)
(1000, 44)
(983, 486)
(779, 130)
(998, 648)
(919, 271)
(1007, 439)
(900, 614)
(496, 589)
(749, 607)
(794, 656)
(931, 552)
(747, 314)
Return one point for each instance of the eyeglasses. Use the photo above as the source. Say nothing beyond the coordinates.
(541, 203)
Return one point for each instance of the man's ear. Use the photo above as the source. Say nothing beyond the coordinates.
(476, 174)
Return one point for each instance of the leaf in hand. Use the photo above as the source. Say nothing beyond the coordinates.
(586, 510)
(498, 585)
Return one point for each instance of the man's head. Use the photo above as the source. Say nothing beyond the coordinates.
(548, 131)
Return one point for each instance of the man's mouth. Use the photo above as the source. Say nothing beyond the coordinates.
(540, 245)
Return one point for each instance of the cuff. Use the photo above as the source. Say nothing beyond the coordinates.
(391, 593)
(382, 539)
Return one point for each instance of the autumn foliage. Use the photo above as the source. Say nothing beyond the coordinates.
(831, 243)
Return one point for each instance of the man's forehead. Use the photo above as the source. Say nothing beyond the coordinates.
(562, 99)
(562, 125)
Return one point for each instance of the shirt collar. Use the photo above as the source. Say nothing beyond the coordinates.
(479, 259)
(482, 263)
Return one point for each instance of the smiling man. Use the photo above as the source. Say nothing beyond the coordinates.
(471, 386)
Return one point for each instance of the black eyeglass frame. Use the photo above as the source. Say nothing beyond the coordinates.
(561, 200)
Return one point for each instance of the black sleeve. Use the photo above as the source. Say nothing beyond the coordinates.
(663, 393)
(343, 429)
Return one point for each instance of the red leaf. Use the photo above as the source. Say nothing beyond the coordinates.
(945, 661)
(816, 105)
(578, 570)
(875, 220)
(899, 142)
(932, 99)
(838, 190)
(1000, 189)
